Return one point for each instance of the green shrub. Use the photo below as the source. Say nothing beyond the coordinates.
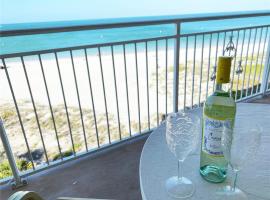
(5, 170)
(64, 154)
(24, 165)
(8, 113)
(245, 91)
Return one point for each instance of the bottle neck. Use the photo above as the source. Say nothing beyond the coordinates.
(222, 89)
(219, 87)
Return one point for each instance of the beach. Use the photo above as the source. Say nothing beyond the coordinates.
(131, 92)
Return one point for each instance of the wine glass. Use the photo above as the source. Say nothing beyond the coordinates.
(182, 134)
(240, 145)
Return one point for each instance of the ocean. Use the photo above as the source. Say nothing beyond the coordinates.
(15, 44)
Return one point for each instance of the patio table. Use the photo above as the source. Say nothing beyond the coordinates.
(157, 163)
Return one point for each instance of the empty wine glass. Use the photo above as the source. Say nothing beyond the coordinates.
(240, 145)
(182, 133)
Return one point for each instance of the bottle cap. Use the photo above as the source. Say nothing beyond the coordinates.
(224, 69)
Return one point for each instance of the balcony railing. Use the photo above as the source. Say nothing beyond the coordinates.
(76, 100)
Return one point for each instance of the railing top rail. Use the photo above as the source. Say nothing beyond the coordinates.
(115, 43)
(136, 21)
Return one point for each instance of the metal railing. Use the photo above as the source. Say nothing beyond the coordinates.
(99, 95)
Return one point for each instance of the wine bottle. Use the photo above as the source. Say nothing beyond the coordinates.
(218, 112)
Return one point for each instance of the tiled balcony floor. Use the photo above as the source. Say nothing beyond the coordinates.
(112, 175)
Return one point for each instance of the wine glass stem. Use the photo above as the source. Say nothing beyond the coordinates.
(235, 179)
(180, 170)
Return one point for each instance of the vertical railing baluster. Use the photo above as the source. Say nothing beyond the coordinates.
(224, 40)
(252, 54)
(229, 41)
(266, 70)
(50, 105)
(185, 80)
(257, 58)
(18, 114)
(92, 97)
(216, 55)
(35, 110)
(234, 62)
(193, 69)
(147, 84)
(65, 102)
(157, 81)
(260, 72)
(209, 63)
(200, 87)
(104, 95)
(78, 97)
(116, 94)
(243, 81)
(166, 76)
(18, 181)
(138, 90)
(126, 79)
(176, 68)
(241, 56)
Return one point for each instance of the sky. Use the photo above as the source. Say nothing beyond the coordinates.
(23, 11)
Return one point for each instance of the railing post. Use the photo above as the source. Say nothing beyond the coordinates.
(18, 181)
(266, 70)
(176, 67)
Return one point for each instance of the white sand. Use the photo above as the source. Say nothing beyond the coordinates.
(37, 85)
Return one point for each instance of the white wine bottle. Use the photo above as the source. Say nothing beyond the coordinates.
(219, 111)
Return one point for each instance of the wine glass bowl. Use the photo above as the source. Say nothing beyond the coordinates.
(240, 145)
(236, 155)
(182, 135)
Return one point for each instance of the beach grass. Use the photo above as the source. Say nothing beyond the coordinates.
(5, 170)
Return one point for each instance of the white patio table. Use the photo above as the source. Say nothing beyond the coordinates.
(157, 163)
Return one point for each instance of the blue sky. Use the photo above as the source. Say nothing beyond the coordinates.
(20, 11)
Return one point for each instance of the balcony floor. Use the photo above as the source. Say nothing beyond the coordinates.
(112, 175)
(264, 100)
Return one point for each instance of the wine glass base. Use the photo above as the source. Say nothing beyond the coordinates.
(179, 188)
(229, 193)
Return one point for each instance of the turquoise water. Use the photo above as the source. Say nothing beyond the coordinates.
(15, 44)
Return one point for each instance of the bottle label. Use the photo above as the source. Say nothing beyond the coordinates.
(213, 130)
